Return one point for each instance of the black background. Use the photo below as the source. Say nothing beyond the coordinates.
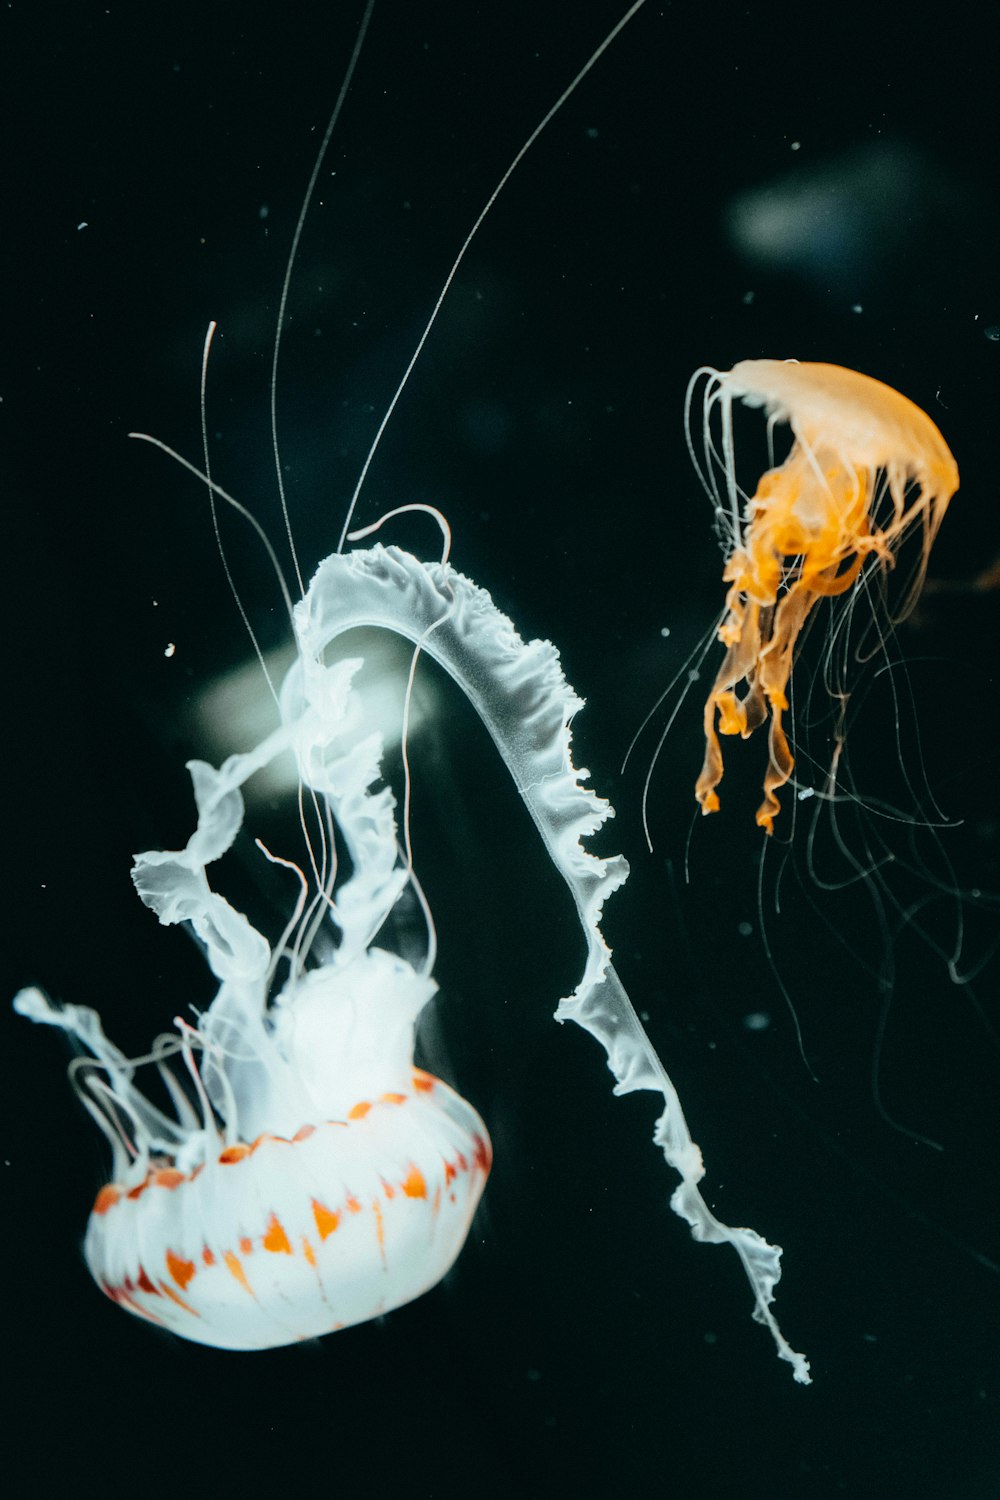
(583, 1343)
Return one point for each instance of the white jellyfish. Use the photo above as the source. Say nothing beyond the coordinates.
(320, 1179)
(309, 1176)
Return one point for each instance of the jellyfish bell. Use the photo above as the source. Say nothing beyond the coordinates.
(866, 467)
(279, 1238)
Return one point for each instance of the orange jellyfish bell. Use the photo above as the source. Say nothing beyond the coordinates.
(866, 466)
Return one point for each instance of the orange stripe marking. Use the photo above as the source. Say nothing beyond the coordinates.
(275, 1239)
(234, 1153)
(379, 1226)
(169, 1292)
(168, 1177)
(326, 1219)
(236, 1270)
(180, 1270)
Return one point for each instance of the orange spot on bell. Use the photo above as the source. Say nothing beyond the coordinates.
(246, 1244)
(358, 1111)
(168, 1177)
(422, 1082)
(304, 1132)
(484, 1154)
(237, 1271)
(208, 1257)
(392, 1099)
(275, 1238)
(352, 1205)
(234, 1153)
(308, 1252)
(415, 1185)
(144, 1284)
(326, 1219)
(106, 1198)
(180, 1270)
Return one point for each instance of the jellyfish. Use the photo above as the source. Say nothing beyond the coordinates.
(866, 468)
(307, 1176)
(310, 1177)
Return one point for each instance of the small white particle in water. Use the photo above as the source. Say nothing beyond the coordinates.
(263, 211)
(745, 929)
(757, 1020)
(664, 631)
(748, 298)
(796, 146)
(82, 225)
(694, 675)
(804, 793)
(170, 649)
(857, 308)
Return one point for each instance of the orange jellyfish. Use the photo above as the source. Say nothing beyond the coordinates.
(866, 467)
